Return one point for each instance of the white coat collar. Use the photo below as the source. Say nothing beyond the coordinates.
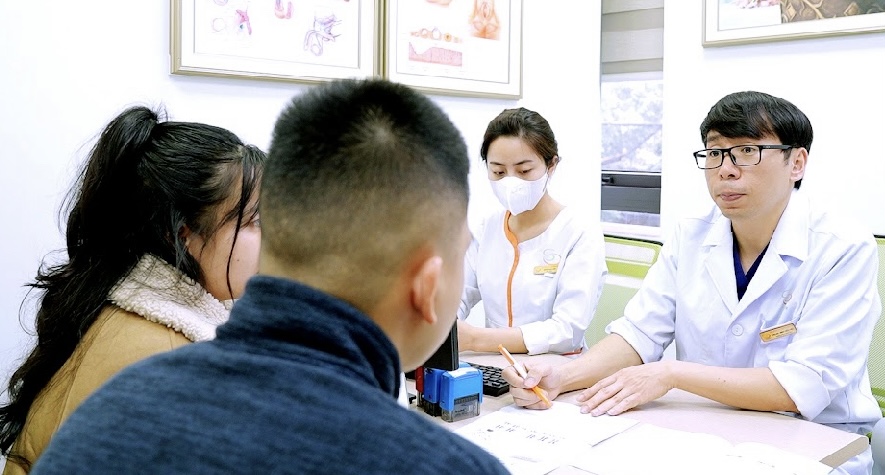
(160, 293)
(790, 238)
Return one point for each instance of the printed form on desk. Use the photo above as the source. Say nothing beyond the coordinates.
(532, 442)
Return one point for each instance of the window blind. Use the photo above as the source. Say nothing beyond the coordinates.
(632, 36)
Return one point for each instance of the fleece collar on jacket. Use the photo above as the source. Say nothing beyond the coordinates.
(160, 293)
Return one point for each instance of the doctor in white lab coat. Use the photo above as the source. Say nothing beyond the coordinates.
(536, 265)
(771, 301)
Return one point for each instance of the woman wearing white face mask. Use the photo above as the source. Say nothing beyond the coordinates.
(537, 266)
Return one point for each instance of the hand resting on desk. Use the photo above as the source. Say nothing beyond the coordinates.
(614, 380)
(620, 392)
(626, 389)
(632, 386)
(603, 360)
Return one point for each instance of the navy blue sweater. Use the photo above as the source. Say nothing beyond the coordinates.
(295, 382)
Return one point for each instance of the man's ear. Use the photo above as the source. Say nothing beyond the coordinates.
(798, 164)
(425, 284)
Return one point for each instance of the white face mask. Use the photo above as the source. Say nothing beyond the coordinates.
(519, 195)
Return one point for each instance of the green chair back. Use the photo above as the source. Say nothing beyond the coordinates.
(630, 257)
(628, 261)
(876, 364)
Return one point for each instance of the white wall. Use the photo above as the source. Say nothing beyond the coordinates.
(59, 92)
(836, 81)
(67, 70)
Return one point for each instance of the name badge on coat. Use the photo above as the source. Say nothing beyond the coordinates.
(546, 269)
(778, 331)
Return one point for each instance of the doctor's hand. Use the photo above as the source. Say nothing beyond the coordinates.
(545, 377)
(626, 389)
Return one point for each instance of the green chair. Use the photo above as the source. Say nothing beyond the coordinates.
(628, 260)
(876, 363)
(876, 368)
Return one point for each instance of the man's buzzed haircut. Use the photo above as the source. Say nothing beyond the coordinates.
(360, 173)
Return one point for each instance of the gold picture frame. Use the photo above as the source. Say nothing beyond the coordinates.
(455, 47)
(730, 22)
(304, 41)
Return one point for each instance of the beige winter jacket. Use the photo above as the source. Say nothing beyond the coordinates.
(154, 311)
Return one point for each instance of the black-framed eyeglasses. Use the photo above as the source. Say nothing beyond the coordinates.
(741, 155)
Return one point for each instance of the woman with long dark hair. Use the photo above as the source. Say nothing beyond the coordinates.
(162, 234)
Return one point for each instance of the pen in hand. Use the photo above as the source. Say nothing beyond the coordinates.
(520, 369)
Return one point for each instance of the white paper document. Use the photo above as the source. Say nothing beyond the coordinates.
(647, 448)
(535, 442)
(530, 442)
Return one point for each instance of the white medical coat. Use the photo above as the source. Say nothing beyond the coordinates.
(555, 285)
(819, 273)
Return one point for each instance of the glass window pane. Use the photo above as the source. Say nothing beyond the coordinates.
(632, 114)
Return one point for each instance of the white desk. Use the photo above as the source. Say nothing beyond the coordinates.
(687, 412)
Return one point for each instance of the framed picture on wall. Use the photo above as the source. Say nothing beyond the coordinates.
(728, 22)
(455, 47)
(289, 40)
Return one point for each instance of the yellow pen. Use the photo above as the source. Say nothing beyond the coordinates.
(522, 373)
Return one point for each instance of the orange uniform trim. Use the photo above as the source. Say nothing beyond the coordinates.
(513, 242)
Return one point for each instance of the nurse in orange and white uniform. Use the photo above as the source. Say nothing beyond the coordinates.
(537, 266)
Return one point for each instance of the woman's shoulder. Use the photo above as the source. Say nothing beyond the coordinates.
(127, 337)
(117, 339)
(577, 219)
(496, 216)
(490, 221)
